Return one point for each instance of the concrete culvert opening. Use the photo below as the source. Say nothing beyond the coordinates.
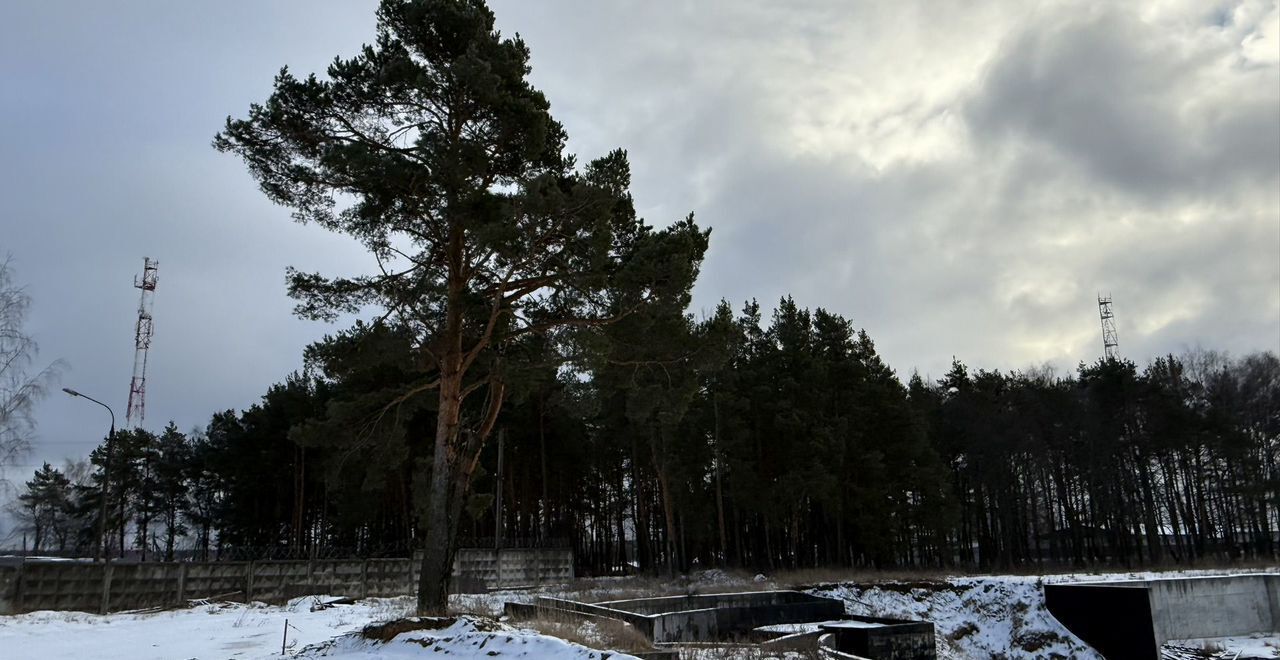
(1168, 617)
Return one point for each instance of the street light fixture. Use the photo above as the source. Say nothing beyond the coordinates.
(106, 478)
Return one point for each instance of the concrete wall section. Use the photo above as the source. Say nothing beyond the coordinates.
(216, 581)
(740, 619)
(90, 587)
(686, 626)
(8, 588)
(713, 616)
(1211, 606)
(513, 567)
(390, 577)
(897, 640)
(704, 601)
(644, 623)
(1273, 595)
(58, 586)
(139, 586)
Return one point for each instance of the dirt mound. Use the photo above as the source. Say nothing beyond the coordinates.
(385, 632)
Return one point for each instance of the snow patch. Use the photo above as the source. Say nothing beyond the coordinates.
(993, 617)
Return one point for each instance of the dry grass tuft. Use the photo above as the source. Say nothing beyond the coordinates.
(599, 633)
(747, 652)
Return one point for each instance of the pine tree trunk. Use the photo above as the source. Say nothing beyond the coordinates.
(640, 503)
(544, 522)
(437, 555)
(621, 523)
(171, 524)
(724, 543)
(668, 512)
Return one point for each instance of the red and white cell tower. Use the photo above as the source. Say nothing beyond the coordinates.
(142, 341)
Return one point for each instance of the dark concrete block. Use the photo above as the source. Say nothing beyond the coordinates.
(885, 639)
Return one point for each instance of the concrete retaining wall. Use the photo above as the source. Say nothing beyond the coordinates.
(1214, 606)
(710, 616)
(644, 623)
(695, 618)
(71, 585)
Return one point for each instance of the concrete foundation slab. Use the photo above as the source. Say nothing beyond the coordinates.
(767, 617)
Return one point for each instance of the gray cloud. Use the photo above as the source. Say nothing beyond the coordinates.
(1135, 105)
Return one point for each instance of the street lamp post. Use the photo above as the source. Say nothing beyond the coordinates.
(106, 479)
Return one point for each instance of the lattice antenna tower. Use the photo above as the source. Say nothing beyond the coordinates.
(142, 342)
(1110, 341)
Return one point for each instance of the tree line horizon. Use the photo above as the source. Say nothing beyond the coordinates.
(796, 447)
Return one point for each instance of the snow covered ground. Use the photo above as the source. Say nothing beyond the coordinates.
(206, 631)
(975, 617)
(1251, 646)
(256, 631)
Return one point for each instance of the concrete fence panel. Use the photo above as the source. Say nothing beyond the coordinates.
(390, 577)
(221, 580)
(280, 580)
(59, 586)
(89, 587)
(138, 586)
(511, 567)
(336, 576)
(8, 587)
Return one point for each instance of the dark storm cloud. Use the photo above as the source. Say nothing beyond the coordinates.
(959, 178)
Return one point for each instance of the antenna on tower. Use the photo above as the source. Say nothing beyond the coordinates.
(142, 341)
(1110, 341)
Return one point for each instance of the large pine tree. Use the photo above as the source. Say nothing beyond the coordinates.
(432, 149)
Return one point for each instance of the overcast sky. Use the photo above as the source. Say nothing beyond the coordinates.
(958, 178)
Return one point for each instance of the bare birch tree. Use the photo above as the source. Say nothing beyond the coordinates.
(21, 383)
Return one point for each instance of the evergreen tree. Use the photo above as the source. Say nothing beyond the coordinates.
(170, 474)
(205, 491)
(45, 508)
(431, 140)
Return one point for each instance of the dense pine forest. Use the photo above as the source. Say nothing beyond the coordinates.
(667, 443)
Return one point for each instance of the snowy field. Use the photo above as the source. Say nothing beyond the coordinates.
(975, 617)
(257, 631)
(206, 631)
